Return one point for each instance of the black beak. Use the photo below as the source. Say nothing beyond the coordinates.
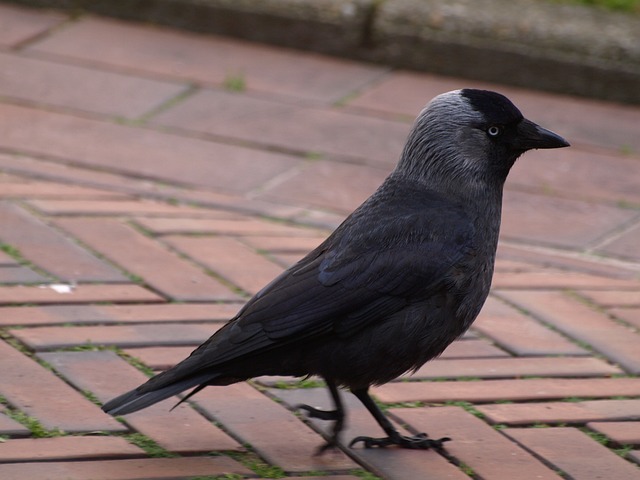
(531, 135)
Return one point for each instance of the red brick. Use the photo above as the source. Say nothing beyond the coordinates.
(18, 274)
(513, 390)
(20, 24)
(230, 259)
(82, 88)
(472, 439)
(7, 260)
(559, 279)
(521, 334)
(629, 315)
(623, 433)
(516, 367)
(88, 293)
(326, 184)
(574, 453)
(50, 250)
(9, 426)
(239, 225)
(114, 207)
(284, 125)
(24, 383)
(159, 267)
(61, 448)
(55, 190)
(562, 412)
(574, 318)
(541, 219)
(160, 358)
(130, 469)
(391, 463)
(139, 151)
(625, 246)
(293, 245)
(181, 430)
(470, 348)
(209, 59)
(253, 417)
(169, 334)
(107, 314)
(616, 298)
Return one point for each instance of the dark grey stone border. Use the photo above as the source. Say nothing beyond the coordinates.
(529, 43)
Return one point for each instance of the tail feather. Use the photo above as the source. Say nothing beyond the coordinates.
(140, 398)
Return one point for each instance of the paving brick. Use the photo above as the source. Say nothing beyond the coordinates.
(35, 189)
(562, 412)
(114, 207)
(82, 88)
(559, 279)
(629, 315)
(159, 267)
(574, 453)
(20, 24)
(623, 433)
(129, 469)
(521, 334)
(579, 173)
(326, 184)
(170, 334)
(88, 293)
(388, 463)
(574, 318)
(516, 367)
(513, 390)
(227, 226)
(472, 439)
(71, 447)
(210, 59)
(625, 246)
(13, 274)
(182, 430)
(108, 314)
(472, 348)
(301, 129)
(139, 151)
(253, 417)
(293, 245)
(160, 358)
(542, 219)
(50, 250)
(24, 383)
(9, 426)
(7, 260)
(230, 259)
(616, 298)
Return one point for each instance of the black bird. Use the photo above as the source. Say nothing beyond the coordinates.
(401, 278)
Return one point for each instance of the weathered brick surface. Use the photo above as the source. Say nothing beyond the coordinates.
(574, 453)
(182, 430)
(24, 384)
(159, 267)
(140, 159)
(132, 469)
(82, 88)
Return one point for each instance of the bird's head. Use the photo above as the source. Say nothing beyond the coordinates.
(471, 136)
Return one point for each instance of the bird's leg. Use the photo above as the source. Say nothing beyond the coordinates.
(394, 438)
(337, 415)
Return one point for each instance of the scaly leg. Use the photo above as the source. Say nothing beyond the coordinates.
(394, 438)
(337, 415)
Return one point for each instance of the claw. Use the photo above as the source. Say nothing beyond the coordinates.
(419, 441)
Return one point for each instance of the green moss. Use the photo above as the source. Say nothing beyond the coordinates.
(148, 445)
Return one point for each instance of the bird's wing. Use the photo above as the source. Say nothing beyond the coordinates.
(355, 277)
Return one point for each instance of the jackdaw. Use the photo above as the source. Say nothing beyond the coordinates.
(401, 278)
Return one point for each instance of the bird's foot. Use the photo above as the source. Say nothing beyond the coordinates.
(419, 441)
(320, 414)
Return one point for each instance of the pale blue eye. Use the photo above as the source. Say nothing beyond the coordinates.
(494, 131)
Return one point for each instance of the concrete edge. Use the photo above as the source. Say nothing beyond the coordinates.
(527, 43)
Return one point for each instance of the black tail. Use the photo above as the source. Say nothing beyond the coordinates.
(145, 396)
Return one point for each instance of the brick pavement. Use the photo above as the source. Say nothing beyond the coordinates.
(151, 180)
